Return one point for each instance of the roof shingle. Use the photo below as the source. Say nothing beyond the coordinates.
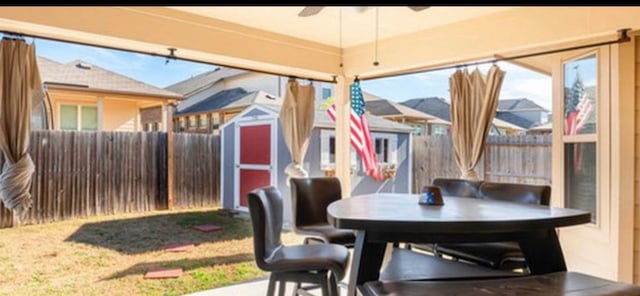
(81, 74)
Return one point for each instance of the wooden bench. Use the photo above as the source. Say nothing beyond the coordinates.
(558, 283)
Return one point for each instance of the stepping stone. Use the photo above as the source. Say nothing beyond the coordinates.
(163, 273)
(179, 247)
(208, 227)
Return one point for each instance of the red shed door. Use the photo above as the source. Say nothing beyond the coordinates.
(254, 158)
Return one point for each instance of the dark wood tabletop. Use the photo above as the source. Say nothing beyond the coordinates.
(401, 212)
(382, 218)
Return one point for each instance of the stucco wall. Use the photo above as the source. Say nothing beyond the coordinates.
(119, 116)
(636, 244)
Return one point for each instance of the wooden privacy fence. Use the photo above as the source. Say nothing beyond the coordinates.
(515, 159)
(81, 174)
(196, 170)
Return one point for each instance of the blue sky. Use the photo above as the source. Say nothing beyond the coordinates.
(518, 82)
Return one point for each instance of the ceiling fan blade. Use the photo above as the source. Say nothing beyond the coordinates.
(418, 8)
(310, 10)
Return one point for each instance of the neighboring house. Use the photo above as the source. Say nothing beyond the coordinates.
(254, 154)
(207, 115)
(522, 112)
(192, 116)
(541, 129)
(440, 109)
(399, 113)
(86, 97)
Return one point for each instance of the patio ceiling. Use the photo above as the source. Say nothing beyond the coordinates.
(275, 39)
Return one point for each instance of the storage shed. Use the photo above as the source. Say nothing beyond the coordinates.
(254, 154)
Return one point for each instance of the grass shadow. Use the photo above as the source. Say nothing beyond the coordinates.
(153, 233)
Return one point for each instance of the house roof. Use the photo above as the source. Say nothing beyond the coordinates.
(542, 127)
(439, 108)
(84, 75)
(203, 81)
(433, 106)
(231, 98)
(376, 123)
(515, 119)
(382, 107)
(522, 104)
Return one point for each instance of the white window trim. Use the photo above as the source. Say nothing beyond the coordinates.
(393, 147)
(79, 116)
(325, 164)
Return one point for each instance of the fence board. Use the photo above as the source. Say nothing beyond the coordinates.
(196, 170)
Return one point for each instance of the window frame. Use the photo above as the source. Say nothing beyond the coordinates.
(325, 140)
(78, 106)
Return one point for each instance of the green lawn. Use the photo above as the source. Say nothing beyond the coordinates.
(110, 255)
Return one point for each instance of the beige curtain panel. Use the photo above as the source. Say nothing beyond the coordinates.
(297, 115)
(474, 99)
(21, 89)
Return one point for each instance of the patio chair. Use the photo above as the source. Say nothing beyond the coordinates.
(499, 255)
(322, 264)
(310, 198)
(457, 187)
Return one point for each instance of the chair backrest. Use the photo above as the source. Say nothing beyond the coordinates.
(310, 198)
(457, 187)
(523, 193)
(265, 209)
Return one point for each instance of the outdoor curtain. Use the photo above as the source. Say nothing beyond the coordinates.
(21, 89)
(474, 98)
(296, 116)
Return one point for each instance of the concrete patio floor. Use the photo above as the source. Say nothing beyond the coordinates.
(257, 287)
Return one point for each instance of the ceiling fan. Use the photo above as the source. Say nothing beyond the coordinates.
(313, 10)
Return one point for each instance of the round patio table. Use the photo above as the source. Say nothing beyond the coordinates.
(382, 218)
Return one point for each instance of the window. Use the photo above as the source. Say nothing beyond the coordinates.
(181, 124)
(192, 122)
(326, 92)
(78, 117)
(580, 134)
(328, 151)
(203, 122)
(215, 121)
(438, 129)
(385, 147)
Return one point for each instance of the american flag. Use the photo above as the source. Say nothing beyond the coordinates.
(360, 135)
(577, 118)
(575, 121)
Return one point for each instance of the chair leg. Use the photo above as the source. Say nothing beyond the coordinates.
(333, 285)
(296, 286)
(281, 285)
(324, 285)
(272, 283)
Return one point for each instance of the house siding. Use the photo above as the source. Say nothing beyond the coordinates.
(119, 116)
(636, 244)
